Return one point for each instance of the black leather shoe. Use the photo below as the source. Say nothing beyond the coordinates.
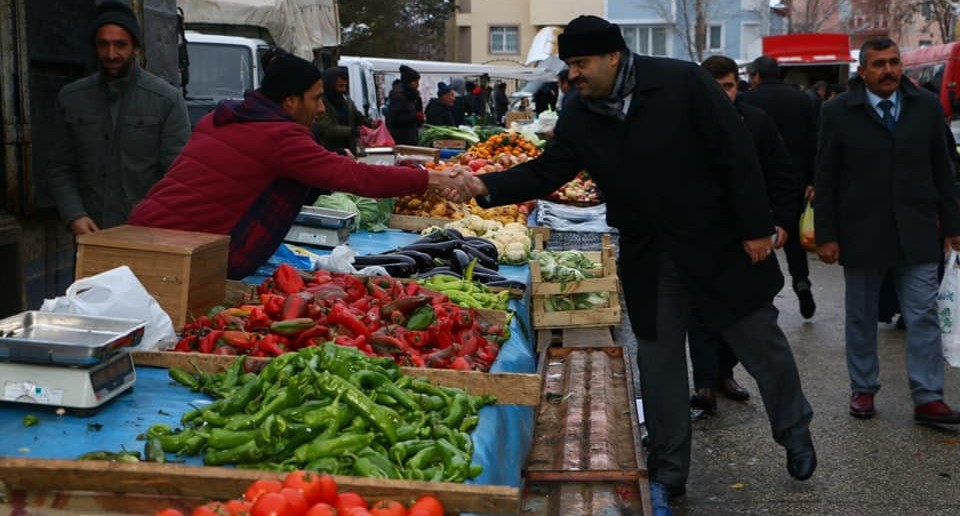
(802, 461)
(805, 297)
(732, 390)
(705, 400)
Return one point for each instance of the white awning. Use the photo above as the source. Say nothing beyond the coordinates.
(386, 65)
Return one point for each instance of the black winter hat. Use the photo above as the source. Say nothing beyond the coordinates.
(289, 75)
(114, 12)
(590, 36)
(443, 89)
(408, 74)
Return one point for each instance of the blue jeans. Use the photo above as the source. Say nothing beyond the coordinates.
(917, 287)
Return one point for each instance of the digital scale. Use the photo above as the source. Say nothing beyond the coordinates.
(321, 227)
(76, 362)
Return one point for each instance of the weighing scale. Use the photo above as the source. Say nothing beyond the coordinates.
(321, 227)
(63, 360)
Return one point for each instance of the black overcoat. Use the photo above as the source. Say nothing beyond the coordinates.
(796, 116)
(783, 188)
(885, 196)
(680, 176)
(402, 121)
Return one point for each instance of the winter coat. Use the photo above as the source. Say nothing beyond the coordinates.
(402, 118)
(334, 135)
(680, 176)
(783, 190)
(796, 118)
(245, 173)
(439, 114)
(102, 169)
(885, 196)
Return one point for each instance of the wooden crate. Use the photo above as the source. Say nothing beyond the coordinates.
(577, 337)
(429, 153)
(415, 223)
(185, 271)
(608, 282)
(449, 144)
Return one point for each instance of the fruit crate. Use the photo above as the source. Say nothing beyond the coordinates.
(608, 281)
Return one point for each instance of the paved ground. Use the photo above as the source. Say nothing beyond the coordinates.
(884, 466)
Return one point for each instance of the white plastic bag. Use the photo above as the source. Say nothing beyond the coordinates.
(340, 259)
(948, 309)
(117, 293)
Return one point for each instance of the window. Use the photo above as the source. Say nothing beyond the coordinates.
(651, 41)
(219, 71)
(504, 40)
(715, 37)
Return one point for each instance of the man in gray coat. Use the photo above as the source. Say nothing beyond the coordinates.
(122, 128)
(885, 203)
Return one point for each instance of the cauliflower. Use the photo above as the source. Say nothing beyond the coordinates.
(515, 252)
(501, 247)
(475, 223)
(490, 226)
(467, 232)
(429, 230)
(515, 226)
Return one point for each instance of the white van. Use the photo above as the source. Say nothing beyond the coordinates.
(221, 67)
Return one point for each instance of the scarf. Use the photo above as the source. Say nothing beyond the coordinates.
(612, 105)
(253, 108)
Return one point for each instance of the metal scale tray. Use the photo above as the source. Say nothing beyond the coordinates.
(67, 339)
(321, 227)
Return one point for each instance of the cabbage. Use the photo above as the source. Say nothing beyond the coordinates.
(372, 214)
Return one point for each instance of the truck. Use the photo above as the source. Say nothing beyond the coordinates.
(807, 58)
(937, 68)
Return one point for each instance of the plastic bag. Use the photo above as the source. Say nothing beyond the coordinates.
(379, 137)
(340, 259)
(117, 293)
(948, 309)
(807, 236)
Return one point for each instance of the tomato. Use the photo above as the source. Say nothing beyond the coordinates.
(419, 512)
(354, 511)
(271, 504)
(430, 504)
(168, 512)
(210, 509)
(261, 487)
(321, 509)
(388, 508)
(316, 487)
(348, 499)
(238, 507)
(296, 500)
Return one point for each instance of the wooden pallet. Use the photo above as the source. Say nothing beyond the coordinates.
(597, 337)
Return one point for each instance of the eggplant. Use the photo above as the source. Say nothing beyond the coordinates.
(435, 249)
(486, 278)
(453, 234)
(424, 260)
(443, 262)
(383, 259)
(399, 270)
(483, 270)
(483, 245)
(511, 284)
(436, 236)
(482, 258)
(439, 270)
(461, 260)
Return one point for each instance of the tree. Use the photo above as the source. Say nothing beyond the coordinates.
(944, 13)
(810, 16)
(690, 20)
(412, 29)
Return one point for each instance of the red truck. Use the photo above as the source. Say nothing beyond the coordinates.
(937, 69)
(807, 58)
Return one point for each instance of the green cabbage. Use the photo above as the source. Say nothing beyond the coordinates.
(372, 214)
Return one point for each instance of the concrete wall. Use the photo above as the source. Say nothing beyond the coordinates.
(560, 12)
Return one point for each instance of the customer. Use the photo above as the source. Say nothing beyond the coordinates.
(694, 225)
(440, 110)
(885, 202)
(405, 115)
(249, 166)
(122, 127)
(501, 103)
(338, 127)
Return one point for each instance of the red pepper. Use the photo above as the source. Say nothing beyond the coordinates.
(258, 318)
(417, 339)
(397, 317)
(464, 319)
(362, 304)
(239, 339)
(272, 304)
(187, 343)
(373, 318)
(306, 338)
(209, 341)
(469, 341)
(412, 289)
(362, 344)
(396, 288)
(288, 280)
(328, 291)
(354, 287)
(440, 357)
(270, 345)
(321, 276)
(345, 341)
(379, 293)
(412, 355)
(267, 287)
(340, 314)
(226, 349)
(295, 306)
(461, 364)
(441, 333)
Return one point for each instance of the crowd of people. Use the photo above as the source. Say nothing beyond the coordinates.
(696, 244)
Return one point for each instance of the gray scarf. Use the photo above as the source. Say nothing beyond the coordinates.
(623, 86)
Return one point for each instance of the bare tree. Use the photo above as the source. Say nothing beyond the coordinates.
(690, 19)
(808, 16)
(944, 13)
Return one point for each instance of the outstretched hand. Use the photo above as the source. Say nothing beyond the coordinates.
(453, 183)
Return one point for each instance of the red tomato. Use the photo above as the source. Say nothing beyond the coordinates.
(261, 487)
(419, 512)
(355, 511)
(296, 500)
(388, 508)
(238, 507)
(321, 509)
(316, 487)
(168, 512)
(348, 499)
(271, 504)
(428, 503)
(210, 509)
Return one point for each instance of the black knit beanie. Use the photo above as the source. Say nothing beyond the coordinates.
(407, 74)
(590, 36)
(113, 12)
(288, 75)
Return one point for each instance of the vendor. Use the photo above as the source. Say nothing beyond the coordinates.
(249, 164)
(440, 110)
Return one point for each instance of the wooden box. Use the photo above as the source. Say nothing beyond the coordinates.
(608, 282)
(185, 271)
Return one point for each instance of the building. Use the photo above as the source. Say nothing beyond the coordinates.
(733, 28)
(502, 31)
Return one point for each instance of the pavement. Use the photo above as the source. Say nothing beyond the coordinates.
(887, 465)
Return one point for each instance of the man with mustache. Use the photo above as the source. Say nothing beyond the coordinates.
(123, 127)
(885, 203)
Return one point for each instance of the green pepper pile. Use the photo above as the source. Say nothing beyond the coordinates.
(467, 293)
(330, 409)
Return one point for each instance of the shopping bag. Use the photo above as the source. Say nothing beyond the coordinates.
(807, 236)
(948, 309)
(117, 293)
(379, 137)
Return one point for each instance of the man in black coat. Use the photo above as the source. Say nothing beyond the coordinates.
(885, 202)
(405, 115)
(712, 359)
(796, 118)
(440, 110)
(684, 187)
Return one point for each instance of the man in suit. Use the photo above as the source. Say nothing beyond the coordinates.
(684, 187)
(796, 117)
(885, 202)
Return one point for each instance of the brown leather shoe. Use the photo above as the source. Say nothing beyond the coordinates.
(861, 405)
(705, 400)
(732, 390)
(936, 412)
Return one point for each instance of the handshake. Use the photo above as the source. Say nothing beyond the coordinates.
(457, 184)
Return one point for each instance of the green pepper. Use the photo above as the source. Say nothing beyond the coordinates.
(433, 473)
(232, 376)
(374, 380)
(122, 456)
(325, 465)
(469, 423)
(474, 471)
(153, 450)
(425, 387)
(402, 450)
(30, 420)
(242, 454)
(428, 402)
(424, 457)
(421, 319)
(364, 467)
(176, 443)
(336, 386)
(298, 413)
(458, 409)
(221, 439)
(381, 462)
(287, 397)
(240, 399)
(158, 430)
(335, 447)
(184, 378)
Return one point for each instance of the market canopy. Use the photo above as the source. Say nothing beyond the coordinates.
(388, 65)
(298, 26)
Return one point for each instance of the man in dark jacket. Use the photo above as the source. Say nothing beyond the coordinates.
(440, 110)
(684, 187)
(501, 103)
(338, 127)
(405, 115)
(712, 359)
(122, 128)
(885, 202)
(796, 118)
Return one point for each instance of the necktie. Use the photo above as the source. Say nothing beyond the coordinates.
(887, 107)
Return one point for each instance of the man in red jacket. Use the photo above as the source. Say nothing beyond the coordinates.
(249, 165)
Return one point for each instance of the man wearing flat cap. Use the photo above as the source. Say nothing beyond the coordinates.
(405, 115)
(684, 187)
(122, 127)
(250, 164)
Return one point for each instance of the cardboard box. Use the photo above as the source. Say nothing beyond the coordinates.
(185, 271)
